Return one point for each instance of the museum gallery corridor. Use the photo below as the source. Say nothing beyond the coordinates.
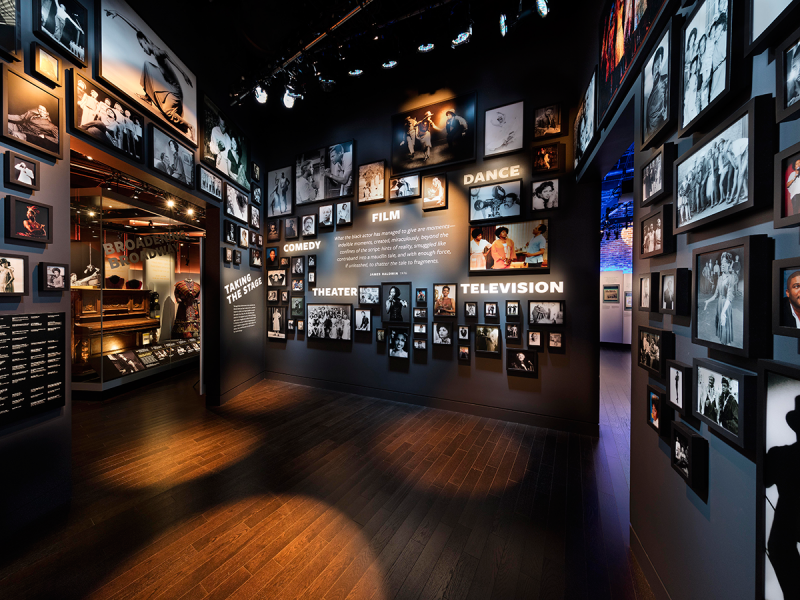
(293, 492)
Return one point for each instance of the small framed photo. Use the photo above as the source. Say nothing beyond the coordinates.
(522, 362)
(556, 344)
(655, 348)
(326, 216)
(32, 115)
(363, 320)
(404, 187)
(28, 220)
(380, 336)
(284, 296)
(255, 172)
(420, 313)
(420, 329)
(298, 265)
(297, 305)
(276, 318)
(312, 279)
(434, 192)
(503, 127)
(53, 277)
(610, 293)
(787, 182)
(22, 172)
(490, 310)
(399, 342)
(309, 223)
(724, 398)
(679, 386)
(512, 309)
(243, 237)
(312, 262)
(495, 201)
(290, 325)
(300, 325)
(255, 217)
(13, 274)
(655, 233)
(786, 297)
(536, 341)
(298, 285)
(272, 295)
(487, 339)
(545, 313)
(421, 296)
(544, 194)
(396, 299)
(273, 231)
(230, 232)
(628, 300)
(444, 299)
(690, 456)
(279, 192)
(276, 278)
(657, 409)
(208, 183)
(648, 292)
(787, 60)
(284, 262)
(676, 297)
(260, 242)
(513, 333)
(548, 122)
(548, 158)
(236, 204)
(66, 33)
(291, 229)
(237, 257)
(253, 239)
(421, 345)
(369, 295)
(372, 182)
(463, 353)
(227, 255)
(471, 309)
(656, 176)
(256, 258)
(257, 195)
(46, 65)
(463, 333)
(170, 157)
(344, 213)
(442, 334)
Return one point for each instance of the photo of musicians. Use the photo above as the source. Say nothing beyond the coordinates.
(720, 297)
(509, 246)
(718, 399)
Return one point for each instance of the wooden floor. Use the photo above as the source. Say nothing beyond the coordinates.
(293, 492)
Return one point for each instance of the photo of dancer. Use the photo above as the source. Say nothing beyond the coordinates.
(225, 147)
(503, 127)
(372, 182)
(64, 23)
(279, 192)
(719, 297)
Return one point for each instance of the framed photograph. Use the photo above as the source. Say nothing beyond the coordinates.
(399, 342)
(279, 192)
(309, 224)
(549, 122)
(22, 172)
(256, 196)
(330, 322)
(32, 114)
(767, 21)
(344, 213)
(298, 285)
(63, 25)
(298, 265)
(659, 100)
(420, 313)
(28, 220)
(284, 262)
(513, 333)
(372, 182)
(676, 286)
(464, 353)
(326, 217)
(380, 336)
(720, 395)
(291, 230)
(171, 158)
(273, 230)
(284, 296)
(786, 297)
(522, 362)
(256, 258)
(434, 192)
(442, 334)
(46, 65)
(648, 292)
(208, 183)
(656, 176)
(300, 325)
(237, 257)
(13, 274)
(227, 255)
(487, 339)
(272, 296)
(490, 310)
(255, 171)
(747, 136)
(369, 295)
(276, 278)
(298, 306)
(421, 296)
(243, 238)
(255, 217)
(657, 410)
(787, 68)
(611, 293)
(545, 313)
(787, 185)
(536, 341)
(548, 158)
(253, 239)
(312, 279)
(495, 201)
(405, 187)
(655, 233)
(724, 316)
(516, 248)
(655, 348)
(690, 456)
(585, 123)
(503, 127)
(290, 325)
(512, 310)
(225, 147)
(471, 309)
(421, 329)
(463, 333)
(544, 194)
(312, 262)
(338, 176)
(396, 298)
(444, 299)
(53, 277)
(556, 344)
(107, 120)
(679, 386)
(276, 317)
(421, 345)
(434, 135)
(628, 300)
(363, 320)
(309, 175)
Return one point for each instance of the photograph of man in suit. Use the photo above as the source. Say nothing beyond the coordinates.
(790, 310)
(669, 293)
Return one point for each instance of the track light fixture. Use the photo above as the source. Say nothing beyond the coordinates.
(355, 72)
(543, 7)
(327, 84)
(261, 94)
(389, 64)
(425, 48)
(462, 38)
(288, 100)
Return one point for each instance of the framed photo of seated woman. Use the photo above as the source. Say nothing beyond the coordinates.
(29, 221)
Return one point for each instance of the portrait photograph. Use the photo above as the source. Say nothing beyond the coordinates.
(503, 129)
(548, 158)
(309, 174)
(396, 302)
(244, 237)
(225, 148)
(276, 278)
(330, 322)
(255, 217)
(171, 158)
(719, 296)
(548, 122)
(298, 306)
(656, 411)
(32, 114)
(511, 247)
(512, 309)
(720, 393)
(611, 293)
(434, 192)
(284, 296)
(399, 342)
(487, 339)
(372, 182)
(290, 325)
(64, 24)
(344, 213)
(22, 172)
(545, 313)
(209, 183)
(369, 295)
(380, 336)
(255, 172)
(463, 333)
(273, 229)
(279, 191)
(284, 262)
(420, 313)
(272, 296)
(648, 292)
(53, 277)
(300, 325)
(420, 345)
(46, 65)
(338, 174)
(490, 310)
(787, 62)
(787, 187)
(437, 134)
(654, 347)
(544, 194)
(495, 201)
(652, 178)
(421, 329)
(680, 450)
(405, 187)
(13, 274)
(227, 255)
(471, 309)
(444, 299)
(555, 342)
(522, 362)
(463, 353)
(657, 101)
(363, 320)
(668, 293)
(237, 257)
(28, 220)
(326, 215)
(298, 265)
(513, 333)
(312, 279)
(421, 296)
(276, 323)
(257, 195)
(679, 385)
(442, 334)
(309, 225)
(253, 239)
(535, 340)
(256, 258)
(311, 261)
(585, 123)
(137, 62)
(291, 228)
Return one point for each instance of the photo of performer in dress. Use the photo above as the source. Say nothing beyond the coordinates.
(276, 317)
(31, 220)
(720, 297)
(396, 306)
(444, 300)
(279, 192)
(12, 274)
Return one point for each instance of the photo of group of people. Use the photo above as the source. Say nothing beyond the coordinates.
(405, 187)
(372, 182)
(652, 236)
(487, 339)
(330, 322)
(718, 399)
(325, 173)
(650, 350)
(653, 178)
(172, 158)
(545, 313)
(521, 246)
(225, 147)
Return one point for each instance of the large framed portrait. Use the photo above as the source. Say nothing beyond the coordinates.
(10, 32)
(654, 348)
(517, 248)
(444, 299)
(658, 413)
(676, 285)
(655, 233)
(309, 177)
(22, 172)
(13, 274)
(279, 190)
(541, 312)
(434, 192)
(659, 100)
(170, 157)
(396, 302)
(405, 187)
(746, 137)
(276, 319)
(225, 147)
(236, 205)
(689, 457)
(399, 342)
(330, 322)
(372, 182)
(495, 201)
(63, 24)
(137, 62)
(725, 316)
(28, 220)
(679, 386)
(434, 135)
(503, 129)
(786, 207)
(338, 175)
(655, 177)
(549, 122)
(488, 339)
(46, 65)
(106, 119)
(766, 21)
(32, 115)
(724, 398)
(786, 297)
(648, 292)
(208, 183)
(522, 363)
(544, 194)
(787, 68)
(586, 122)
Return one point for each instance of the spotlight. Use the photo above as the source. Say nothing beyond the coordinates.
(355, 73)
(543, 7)
(91, 213)
(389, 64)
(89, 158)
(503, 25)
(170, 203)
(136, 194)
(189, 211)
(261, 95)
(327, 84)
(424, 48)
(462, 38)
(288, 100)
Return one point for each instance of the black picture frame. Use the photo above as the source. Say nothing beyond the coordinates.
(279, 192)
(436, 327)
(745, 397)
(158, 137)
(491, 310)
(421, 296)
(291, 228)
(671, 38)
(16, 172)
(512, 194)
(254, 218)
(776, 29)
(664, 213)
(208, 157)
(306, 230)
(256, 258)
(344, 213)
(255, 171)
(397, 334)
(276, 318)
(471, 310)
(230, 233)
(10, 43)
(209, 183)
(514, 316)
(532, 345)
(420, 313)
(452, 294)
(277, 278)
(364, 170)
(298, 306)
(782, 319)
(694, 460)
(510, 137)
(681, 301)
(552, 346)
(256, 195)
(76, 28)
(14, 262)
(519, 229)
(243, 237)
(16, 214)
(332, 222)
(657, 397)
(420, 329)
(548, 158)
(679, 386)
(380, 335)
(783, 110)
(538, 187)
(527, 366)
(760, 125)
(404, 295)
(537, 315)
(514, 333)
(757, 251)
(544, 129)
(48, 280)
(665, 342)
(666, 155)
(463, 334)
(237, 257)
(464, 354)
(271, 256)
(227, 255)
(434, 196)
(398, 183)
(46, 71)
(785, 200)
(648, 282)
(23, 94)
(585, 125)
(365, 297)
(272, 230)
(488, 339)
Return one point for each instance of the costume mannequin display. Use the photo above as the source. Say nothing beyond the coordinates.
(187, 318)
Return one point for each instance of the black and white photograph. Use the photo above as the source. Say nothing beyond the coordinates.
(548, 122)
(209, 183)
(46, 65)
(311, 261)
(522, 362)
(298, 265)
(53, 277)
(513, 248)
(171, 158)
(278, 190)
(276, 322)
(326, 215)
(434, 135)
(463, 353)
(420, 345)
(255, 217)
(285, 296)
(298, 306)
(225, 147)
(646, 289)
(344, 213)
(719, 397)
(372, 182)
(237, 257)
(290, 325)
(463, 333)
(490, 310)
(651, 233)
(545, 313)
(338, 174)
(548, 159)
(656, 411)
(657, 89)
(380, 336)
(298, 284)
(227, 255)
(544, 194)
(291, 228)
(272, 295)
(254, 240)
(309, 174)
(512, 309)
(652, 178)
(513, 333)
(434, 192)
(655, 347)
(495, 201)
(65, 25)
(32, 115)
(487, 339)
(421, 329)
(276, 278)
(444, 299)
(273, 230)
(255, 172)
(421, 296)
(256, 258)
(13, 274)
(330, 322)
(503, 129)
(442, 334)
(256, 195)
(719, 297)
(405, 187)
(787, 62)
(369, 295)
(668, 293)
(585, 122)
(680, 452)
(363, 320)
(399, 342)
(137, 62)
(22, 172)
(396, 302)
(309, 225)
(28, 220)
(535, 340)
(555, 342)
(471, 309)
(244, 237)
(679, 385)
(420, 313)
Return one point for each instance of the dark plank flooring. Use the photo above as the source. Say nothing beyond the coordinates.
(293, 492)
